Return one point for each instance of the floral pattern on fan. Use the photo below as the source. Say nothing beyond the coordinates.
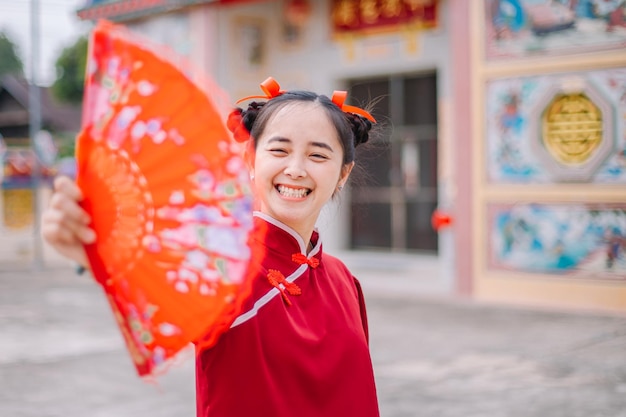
(170, 199)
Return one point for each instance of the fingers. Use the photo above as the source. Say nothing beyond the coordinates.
(64, 222)
(66, 204)
(67, 187)
(66, 226)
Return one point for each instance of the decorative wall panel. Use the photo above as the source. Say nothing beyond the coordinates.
(574, 240)
(522, 28)
(557, 128)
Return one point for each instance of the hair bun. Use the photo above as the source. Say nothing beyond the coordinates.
(240, 122)
(360, 128)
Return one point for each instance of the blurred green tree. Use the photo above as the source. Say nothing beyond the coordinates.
(10, 61)
(70, 72)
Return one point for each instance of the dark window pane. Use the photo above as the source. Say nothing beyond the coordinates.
(371, 225)
(362, 93)
(374, 162)
(374, 157)
(420, 100)
(420, 233)
(428, 163)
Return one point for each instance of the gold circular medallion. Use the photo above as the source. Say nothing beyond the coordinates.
(572, 128)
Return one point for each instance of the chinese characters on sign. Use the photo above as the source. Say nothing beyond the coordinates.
(375, 15)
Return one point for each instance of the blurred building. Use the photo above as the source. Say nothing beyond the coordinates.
(503, 160)
(24, 168)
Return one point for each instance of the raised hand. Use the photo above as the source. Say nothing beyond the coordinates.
(64, 224)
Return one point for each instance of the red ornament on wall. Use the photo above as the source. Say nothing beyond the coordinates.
(440, 219)
(297, 12)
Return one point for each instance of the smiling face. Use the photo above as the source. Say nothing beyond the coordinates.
(298, 165)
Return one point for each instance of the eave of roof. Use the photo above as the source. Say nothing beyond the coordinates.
(63, 117)
(124, 10)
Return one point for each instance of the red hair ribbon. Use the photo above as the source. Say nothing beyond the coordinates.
(270, 87)
(339, 97)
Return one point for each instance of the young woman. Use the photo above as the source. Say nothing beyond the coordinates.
(300, 346)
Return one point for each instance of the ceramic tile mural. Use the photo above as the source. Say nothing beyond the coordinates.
(522, 28)
(578, 240)
(514, 107)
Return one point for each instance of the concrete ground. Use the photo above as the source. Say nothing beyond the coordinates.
(61, 355)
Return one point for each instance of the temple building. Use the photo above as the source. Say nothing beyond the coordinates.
(501, 171)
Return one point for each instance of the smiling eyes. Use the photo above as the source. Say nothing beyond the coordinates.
(319, 156)
(280, 152)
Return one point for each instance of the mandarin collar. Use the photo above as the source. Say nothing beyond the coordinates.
(283, 239)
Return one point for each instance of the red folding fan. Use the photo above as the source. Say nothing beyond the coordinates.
(170, 199)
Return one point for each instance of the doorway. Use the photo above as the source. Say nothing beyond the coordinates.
(392, 207)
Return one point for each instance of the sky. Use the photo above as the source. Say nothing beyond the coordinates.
(59, 27)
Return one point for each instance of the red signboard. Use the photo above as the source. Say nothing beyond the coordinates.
(382, 15)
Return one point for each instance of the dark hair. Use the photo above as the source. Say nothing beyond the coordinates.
(352, 129)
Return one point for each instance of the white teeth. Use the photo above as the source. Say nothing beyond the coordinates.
(292, 192)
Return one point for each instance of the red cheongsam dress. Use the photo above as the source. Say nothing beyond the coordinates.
(300, 346)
